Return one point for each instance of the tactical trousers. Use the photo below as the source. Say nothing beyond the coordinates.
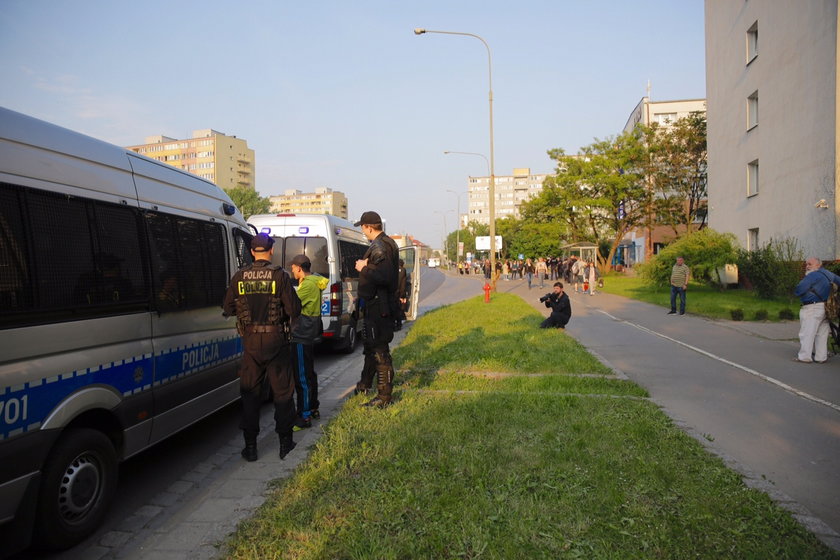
(266, 357)
(306, 380)
(378, 333)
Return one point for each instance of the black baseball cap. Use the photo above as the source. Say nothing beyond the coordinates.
(262, 242)
(369, 218)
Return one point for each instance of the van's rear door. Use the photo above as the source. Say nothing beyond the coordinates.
(411, 257)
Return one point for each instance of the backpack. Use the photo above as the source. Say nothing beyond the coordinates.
(832, 304)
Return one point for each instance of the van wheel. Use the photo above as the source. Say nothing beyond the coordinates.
(350, 342)
(78, 484)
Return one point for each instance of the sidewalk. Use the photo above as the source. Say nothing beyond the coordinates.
(733, 386)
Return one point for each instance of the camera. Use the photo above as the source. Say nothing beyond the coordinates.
(547, 297)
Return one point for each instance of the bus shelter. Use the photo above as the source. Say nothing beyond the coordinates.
(582, 250)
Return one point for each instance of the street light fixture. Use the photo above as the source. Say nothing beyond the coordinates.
(421, 31)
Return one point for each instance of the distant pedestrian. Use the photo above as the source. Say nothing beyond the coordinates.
(593, 277)
(680, 274)
(542, 271)
(528, 271)
(814, 290)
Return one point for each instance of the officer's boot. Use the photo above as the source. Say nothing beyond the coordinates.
(384, 387)
(286, 445)
(249, 452)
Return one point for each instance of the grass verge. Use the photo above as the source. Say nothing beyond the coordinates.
(701, 299)
(508, 441)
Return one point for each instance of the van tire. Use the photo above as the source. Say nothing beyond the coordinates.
(83, 465)
(349, 343)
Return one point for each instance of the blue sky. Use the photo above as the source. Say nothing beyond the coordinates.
(344, 94)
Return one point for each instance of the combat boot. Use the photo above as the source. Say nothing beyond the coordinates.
(379, 401)
(249, 452)
(286, 446)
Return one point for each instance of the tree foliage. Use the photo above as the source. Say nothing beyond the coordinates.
(704, 251)
(249, 201)
(467, 236)
(773, 270)
(598, 195)
(677, 171)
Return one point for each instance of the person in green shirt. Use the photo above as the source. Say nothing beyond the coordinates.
(305, 331)
(679, 282)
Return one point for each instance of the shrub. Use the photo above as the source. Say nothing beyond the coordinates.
(773, 270)
(761, 315)
(786, 315)
(705, 251)
(737, 314)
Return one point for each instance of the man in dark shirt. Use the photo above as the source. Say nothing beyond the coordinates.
(378, 274)
(561, 308)
(264, 302)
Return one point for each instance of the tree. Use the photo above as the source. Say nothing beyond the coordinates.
(678, 158)
(467, 236)
(600, 194)
(249, 201)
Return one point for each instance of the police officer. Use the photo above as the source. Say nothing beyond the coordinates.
(264, 302)
(378, 271)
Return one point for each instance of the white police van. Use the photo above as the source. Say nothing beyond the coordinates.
(333, 245)
(113, 268)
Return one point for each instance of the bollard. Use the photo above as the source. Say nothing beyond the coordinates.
(487, 289)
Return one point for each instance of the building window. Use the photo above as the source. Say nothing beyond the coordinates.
(664, 118)
(752, 239)
(752, 178)
(752, 110)
(752, 42)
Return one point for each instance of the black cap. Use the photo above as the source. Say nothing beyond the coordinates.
(369, 218)
(262, 242)
(301, 260)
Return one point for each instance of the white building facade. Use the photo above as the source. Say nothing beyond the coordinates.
(771, 85)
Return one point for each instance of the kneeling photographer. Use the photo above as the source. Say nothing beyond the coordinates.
(561, 308)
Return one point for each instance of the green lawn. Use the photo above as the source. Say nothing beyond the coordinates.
(702, 299)
(508, 441)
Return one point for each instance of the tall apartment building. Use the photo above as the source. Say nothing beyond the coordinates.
(224, 160)
(322, 201)
(511, 191)
(773, 133)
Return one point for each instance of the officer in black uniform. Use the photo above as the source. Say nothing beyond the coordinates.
(264, 302)
(378, 272)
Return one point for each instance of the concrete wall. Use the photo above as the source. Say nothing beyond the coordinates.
(794, 74)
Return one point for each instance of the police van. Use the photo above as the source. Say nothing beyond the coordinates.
(333, 245)
(113, 267)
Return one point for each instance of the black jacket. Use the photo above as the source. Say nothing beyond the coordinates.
(379, 277)
(260, 283)
(561, 307)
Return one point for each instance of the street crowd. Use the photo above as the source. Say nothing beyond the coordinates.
(583, 274)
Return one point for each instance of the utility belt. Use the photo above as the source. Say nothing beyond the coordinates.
(812, 303)
(252, 329)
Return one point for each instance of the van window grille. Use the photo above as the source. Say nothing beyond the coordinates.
(63, 257)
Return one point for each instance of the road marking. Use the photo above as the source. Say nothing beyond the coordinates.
(751, 371)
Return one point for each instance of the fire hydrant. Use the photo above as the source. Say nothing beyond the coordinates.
(487, 289)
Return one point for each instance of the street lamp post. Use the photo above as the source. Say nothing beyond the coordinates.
(444, 251)
(421, 31)
(457, 217)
